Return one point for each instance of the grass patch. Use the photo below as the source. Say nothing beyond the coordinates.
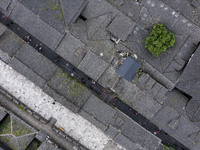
(20, 129)
(139, 73)
(5, 127)
(22, 108)
(56, 6)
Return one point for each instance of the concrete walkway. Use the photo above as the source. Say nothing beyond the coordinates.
(32, 96)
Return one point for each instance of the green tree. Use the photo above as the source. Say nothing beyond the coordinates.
(159, 40)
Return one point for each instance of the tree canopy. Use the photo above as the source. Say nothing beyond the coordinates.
(159, 40)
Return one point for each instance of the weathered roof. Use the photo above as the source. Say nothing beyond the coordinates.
(41, 136)
(189, 83)
(72, 9)
(128, 69)
(56, 13)
(121, 26)
(4, 4)
(196, 3)
(2, 114)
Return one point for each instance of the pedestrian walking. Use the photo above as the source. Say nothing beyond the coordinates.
(135, 112)
(57, 58)
(27, 38)
(93, 82)
(156, 132)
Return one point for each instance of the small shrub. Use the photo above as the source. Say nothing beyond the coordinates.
(167, 148)
(159, 40)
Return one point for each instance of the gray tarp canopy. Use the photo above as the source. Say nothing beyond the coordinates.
(128, 68)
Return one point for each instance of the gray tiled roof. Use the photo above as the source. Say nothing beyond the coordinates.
(4, 4)
(72, 9)
(128, 69)
(189, 83)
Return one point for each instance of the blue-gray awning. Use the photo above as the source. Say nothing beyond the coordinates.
(128, 68)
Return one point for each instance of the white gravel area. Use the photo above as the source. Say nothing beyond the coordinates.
(73, 124)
